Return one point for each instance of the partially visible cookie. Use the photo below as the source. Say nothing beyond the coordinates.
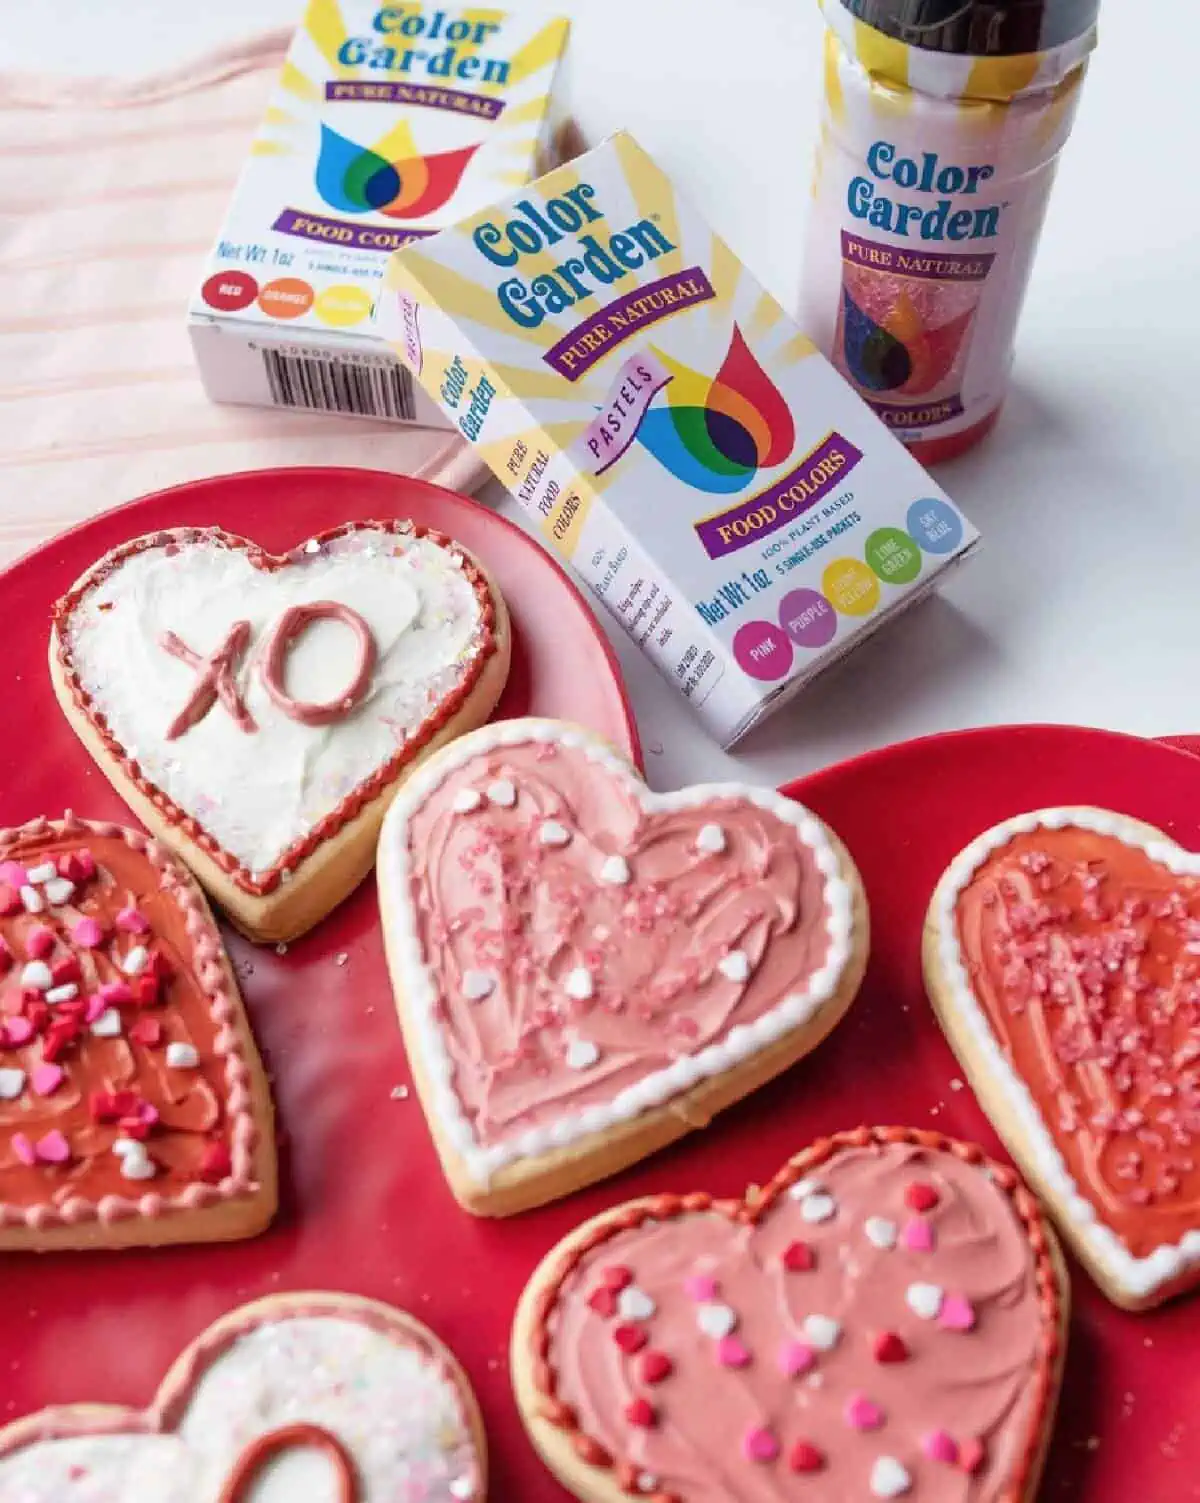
(1062, 956)
(348, 1399)
(134, 1109)
(259, 711)
(886, 1319)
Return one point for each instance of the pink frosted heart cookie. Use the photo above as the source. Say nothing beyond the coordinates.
(259, 711)
(854, 1385)
(356, 1401)
(585, 970)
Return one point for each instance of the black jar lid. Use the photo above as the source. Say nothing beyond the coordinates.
(980, 28)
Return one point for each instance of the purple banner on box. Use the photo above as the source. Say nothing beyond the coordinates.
(819, 472)
(374, 237)
(425, 96)
(905, 415)
(615, 426)
(927, 265)
(576, 352)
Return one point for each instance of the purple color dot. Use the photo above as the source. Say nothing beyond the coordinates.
(808, 618)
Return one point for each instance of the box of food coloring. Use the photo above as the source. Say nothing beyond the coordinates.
(389, 121)
(670, 431)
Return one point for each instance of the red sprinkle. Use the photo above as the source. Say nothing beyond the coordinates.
(603, 1301)
(216, 1163)
(10, 901)
(641, 1413)
(617, 1278)
(888, 1347)
(798, 1257)
(77, 866)
(39, 942)
(656, 1366)
(970, 1454)
(66, 970)
(147, 1031)
(145, 991)
(630, 1338)
(804, 1457)
(921, 1197)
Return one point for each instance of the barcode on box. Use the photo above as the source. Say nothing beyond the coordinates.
(319, 383)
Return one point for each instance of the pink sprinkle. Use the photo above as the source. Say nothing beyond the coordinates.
(731, 1352)
(701, 1287)
(114, 993)
(53, 1148)
(17, 1031)
(23, 1148)
(14, 875)
(918, 1235)
(759, 1444)
(957, 1313)
(939, 1446)
(46, 1079)
(147, 1114)
(95, 1008)
(132, 921)
(88, 933)
(796, 1357)
(39, 942)
(861, 1414)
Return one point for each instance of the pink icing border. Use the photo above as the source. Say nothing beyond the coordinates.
(211, 976)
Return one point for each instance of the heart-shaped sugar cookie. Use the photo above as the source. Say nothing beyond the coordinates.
(337, 1398)
(585, 970)
(842, 1385)
(133, 1106)
(258, 712)
(1062, 955)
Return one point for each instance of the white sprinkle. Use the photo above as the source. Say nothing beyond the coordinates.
(281, 948)
(581, 1053)
(136, 961)
(42, 873)
(66, 993)
(122, 1146)
(502, 792)
(579, 983)
(462, 1487)
(37, 975)
(888, 1478)
(924, 1300)
(12, 1083)
(735, 966)
(647, 1482)
(476, 985)
(399, 1093)
(635, 1304)
(108, 1024)
(803, 1188)
(59, 891)
(136, 1163)
(312, 546)
(467, 800)
(956, 1084)
(822, 1331)
(615, 870)
(552, 833)
(182, 1056)
(341, 959)
(716, 1320)
(32, 899)
(818, 1207)
(880, 1231)
(711, 840)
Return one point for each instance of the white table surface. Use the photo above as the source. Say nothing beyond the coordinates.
(1083, 604)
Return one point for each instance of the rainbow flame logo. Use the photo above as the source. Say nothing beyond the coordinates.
(899, 355)
(358, 180)
(716, 432)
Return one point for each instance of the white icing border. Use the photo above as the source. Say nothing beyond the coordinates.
(1136, 1277)
(715, 1059)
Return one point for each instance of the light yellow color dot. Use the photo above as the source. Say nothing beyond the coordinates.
(342, 304)
(850, 587)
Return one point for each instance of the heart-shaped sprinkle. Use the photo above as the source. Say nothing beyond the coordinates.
(604, 1302)
(716, 1320)
(735, 966)
(630, 1338)
(862, 1413)
(36, 975)
(136, 1163)
(115, 993)
(182, 1056)
(924, 1300)
(795, 1357)
(43, 872)
(136, 961)
(53, 1148)
(641, 1413)
(635, 1304)
(132, 921)
(12, 1083)
(615, 871)
(46, 1079)
(32, 900)
(16, 1031)
(655, 1367)
(889, 1347)
(58, 994)
(798, 1257)
(919, 1235)
(65, 970)
(957, 1313)
(880, 1231)
(889, 1479)
(147, 1031)
(805, 1457)
(822, 1331)
(551, 833)
(710, 840)
(467, 800)
(760, 1444)
(971, 1454)
(476, 985)
(502, 793)
(803, 1188)
(701, 1287)
(818, 1207)
(919, 1196)
(39, 942)
(108, 1024)
(578, 983)
(731, 1352)
(581, 1053)
(59, 891)
(617, 1277)
(939, 1446)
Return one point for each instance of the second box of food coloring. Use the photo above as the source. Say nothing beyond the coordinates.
(716, 483)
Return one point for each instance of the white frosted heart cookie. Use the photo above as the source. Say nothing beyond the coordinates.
(586, 970)
(347, 1399)
(1062, 956)
(258, 712)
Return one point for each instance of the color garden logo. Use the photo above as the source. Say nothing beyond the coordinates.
(359, 180)
(896, 351)
(715, 433)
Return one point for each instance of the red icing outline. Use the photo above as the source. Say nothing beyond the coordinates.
(665, 1207)
(371, 787)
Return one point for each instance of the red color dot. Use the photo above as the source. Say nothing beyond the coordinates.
(804, 1457)
(227, 291)
(641, 1413)
(656, 1366)
(888, 1347)
(630, 1338)
(798, 1257)
(921, 1197)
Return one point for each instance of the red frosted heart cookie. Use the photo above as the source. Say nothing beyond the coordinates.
(1062, 954)
(365, 1404)
(133, 1105)
(909, 1353)
(584, 969)
(258, 711)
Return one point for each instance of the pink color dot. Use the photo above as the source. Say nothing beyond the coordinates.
(13, 874)
(88, 933)
(731, 1352)
(796, 1357)
(46, 1079)
(759, 1444)
(956, 1313)
(861, 1413)
(939, 1446)
(701, 1287)
(17, 1031)
(132, 921)
(919, 1236)
(762, 650)
(53, 1148)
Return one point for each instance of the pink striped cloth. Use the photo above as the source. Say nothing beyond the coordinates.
(110, 196)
